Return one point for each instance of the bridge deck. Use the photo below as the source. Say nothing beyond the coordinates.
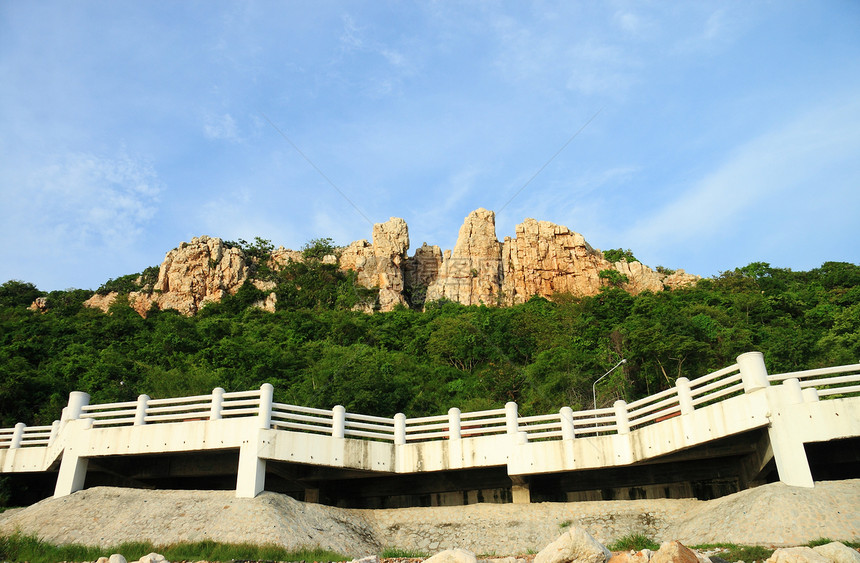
(733, 413)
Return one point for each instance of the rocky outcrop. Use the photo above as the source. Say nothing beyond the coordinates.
(381, 264)
(544, 259)
(471, 274)
(191, 275)
(541, 259)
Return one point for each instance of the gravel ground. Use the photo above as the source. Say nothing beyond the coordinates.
(772, 515)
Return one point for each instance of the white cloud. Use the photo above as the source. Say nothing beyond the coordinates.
(790, 167)
(84, 198)
(221, 127)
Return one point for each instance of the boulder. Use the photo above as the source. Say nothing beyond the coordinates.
(381, 263)
(838, 552)
(575, 545)
(117, 558)
(797, 555)
(457, 555)
(471, 274)
(643, 556)
(674, 552)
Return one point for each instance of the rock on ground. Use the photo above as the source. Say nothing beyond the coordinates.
(575, 545)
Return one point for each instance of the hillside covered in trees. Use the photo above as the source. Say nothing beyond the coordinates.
(317, 351)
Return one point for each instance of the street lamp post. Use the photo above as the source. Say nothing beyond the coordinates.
(594, 385)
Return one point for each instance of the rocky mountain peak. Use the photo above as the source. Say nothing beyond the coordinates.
(541, 259)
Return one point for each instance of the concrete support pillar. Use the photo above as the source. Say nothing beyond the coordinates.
(73, 467)
(511, 419)
(312, 495)
(790, 456)
(520, 490)
(567, 429)
(753, 371)
(251, 478)
(73, 473)
(454, 431)
(217, 401)
(622, 418)
(685, 395)
(338, 421)
(140, 410)
(785, 438)
(267, 397)
(399, 429)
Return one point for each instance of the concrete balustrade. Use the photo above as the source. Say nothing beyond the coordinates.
(338, 421)
(511, 419)
(217, 402)
(622, 418)
(454, 430)
(685, 395)
(725, 403)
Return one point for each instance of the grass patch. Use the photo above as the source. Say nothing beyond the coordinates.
(20, 547)
(734, 552)
(633, 542)
(819, 541)
(393, 552)
(565, 524)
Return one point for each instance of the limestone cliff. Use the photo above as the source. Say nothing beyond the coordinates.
(381, 264)
(541, 259)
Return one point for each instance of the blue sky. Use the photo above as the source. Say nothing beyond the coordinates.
(718, 133)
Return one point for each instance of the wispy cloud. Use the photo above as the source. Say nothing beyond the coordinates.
(795, 163)
(84, 198)
(221, 127)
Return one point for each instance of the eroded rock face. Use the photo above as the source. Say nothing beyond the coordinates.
(545, 258)
(381, 263)
(471, 274)
(194, 274)
(541, 259)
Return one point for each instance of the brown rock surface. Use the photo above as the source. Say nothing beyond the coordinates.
(542, 259)
(674, 552)
(194, 274)
(472, 273)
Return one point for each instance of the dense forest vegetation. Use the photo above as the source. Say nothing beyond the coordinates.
(317, 351)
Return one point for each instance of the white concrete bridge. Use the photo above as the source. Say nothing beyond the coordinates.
(733, 423)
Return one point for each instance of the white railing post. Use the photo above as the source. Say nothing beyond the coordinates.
(399, 429)
(55, 430)
(753, 371)
(810, 395)
(77, 401)
(567, 430)
(338, 421)
(140, 410)
(792, 392)
(511, 419)
(454, 429)
(622, 419)
(217, 401)
(267, 397)
(17, 436)
(685, 395)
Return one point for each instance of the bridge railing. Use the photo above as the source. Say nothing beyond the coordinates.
(824, 382)
(621, 418)
(23, 436)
